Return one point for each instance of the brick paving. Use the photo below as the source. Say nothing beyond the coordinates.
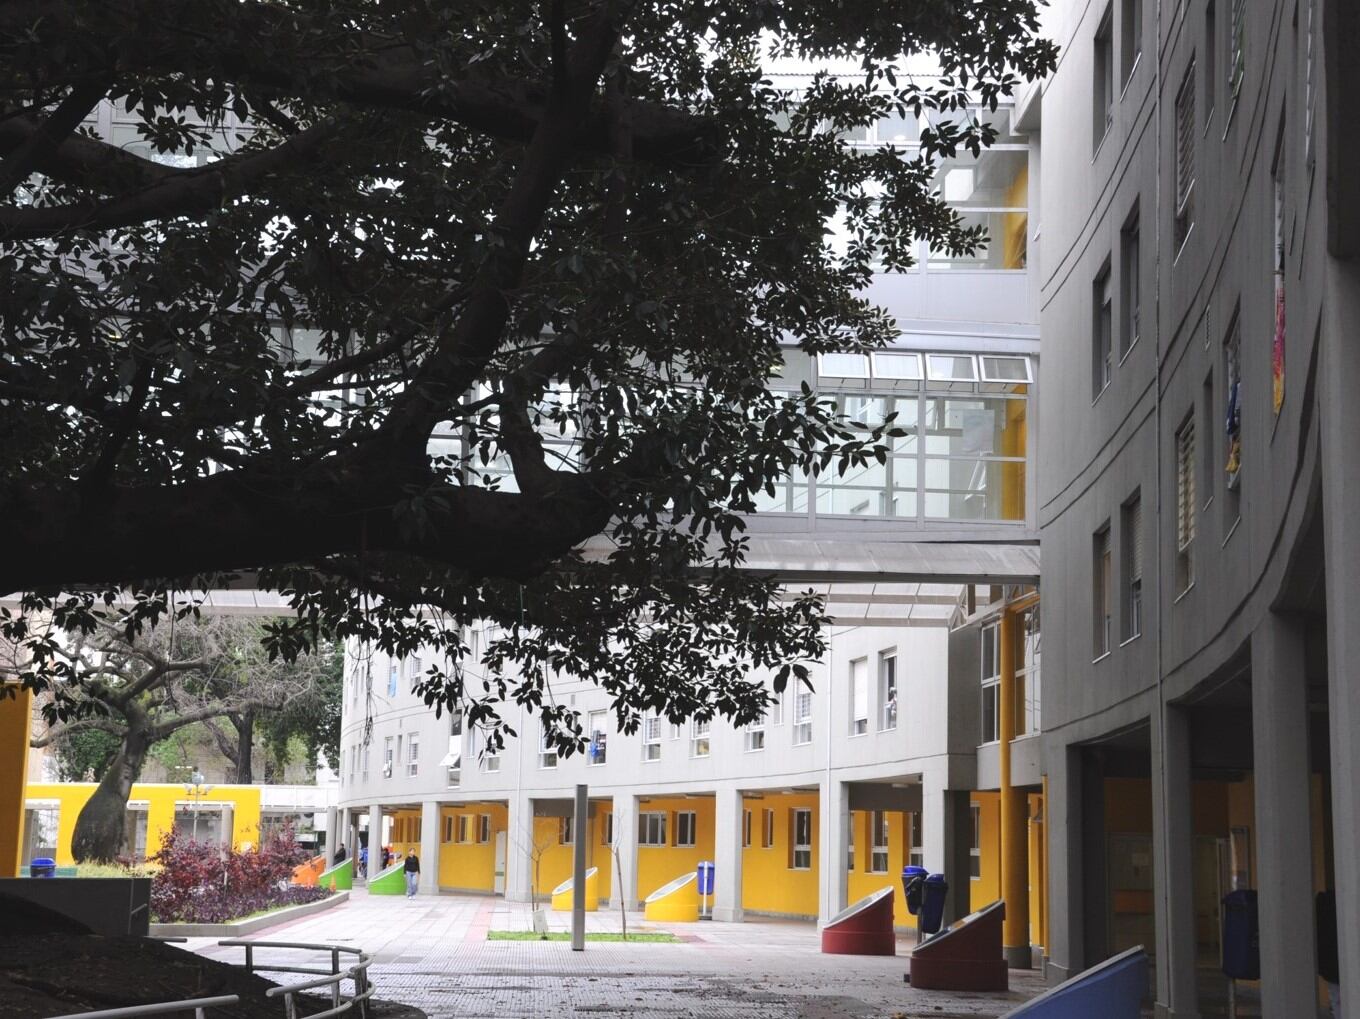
(432, 952)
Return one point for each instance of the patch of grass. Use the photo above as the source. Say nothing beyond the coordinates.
(644, 938)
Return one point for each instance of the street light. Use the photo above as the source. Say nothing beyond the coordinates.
(196, 790)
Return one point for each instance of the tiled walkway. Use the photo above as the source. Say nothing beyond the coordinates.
(432, 952)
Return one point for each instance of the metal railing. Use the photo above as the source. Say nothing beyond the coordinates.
(332, 978)
(195, 1005)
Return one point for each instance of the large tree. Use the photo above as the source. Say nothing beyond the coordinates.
(142, 688)
(476, 282)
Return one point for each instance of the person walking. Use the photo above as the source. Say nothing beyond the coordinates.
(411, 868)
(340, 855)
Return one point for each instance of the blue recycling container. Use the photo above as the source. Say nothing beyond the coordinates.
(933, 892)
(913, 881)
(705, 876)
(1241, 936)
(42, 866)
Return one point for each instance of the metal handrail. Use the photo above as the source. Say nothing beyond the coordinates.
(358, 974)
(159, 1008)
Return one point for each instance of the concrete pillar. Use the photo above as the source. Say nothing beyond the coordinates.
(626, 845)
(1173, 878)
(1014, 815)
(727, 855)
(834, 800)
(1338, 379)
(1279, 713)
(332, 833)
(429, 847)
(375, 840)
(16, 724)
(946, 833)
(519, 849)
(1063, 828)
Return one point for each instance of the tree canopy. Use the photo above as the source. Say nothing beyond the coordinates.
(392, 306)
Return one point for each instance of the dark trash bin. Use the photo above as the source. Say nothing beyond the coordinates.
(1241, 936)
(934, 890)
(913, 881)
(43, 866)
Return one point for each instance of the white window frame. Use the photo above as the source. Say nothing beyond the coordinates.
(879, 364)
(746, 828)
(686, 831)
(753, 740)
(941, 376)
(483, 829)
(767, 828)
(889, 690)
(975, 846)
(985, 376)
(700, 737)
(802, 717)
(389, 758)
(822, 371)
(566, 831)
(880, 837)
(859, 697)
(652, 828)
(651, 738)
(597, 753)
(547, 755)
(412, 755)
(800, 844)
(990, 680)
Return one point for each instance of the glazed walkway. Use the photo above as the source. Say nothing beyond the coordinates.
(432, 952)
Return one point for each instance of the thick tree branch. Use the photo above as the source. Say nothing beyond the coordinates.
(40, 145)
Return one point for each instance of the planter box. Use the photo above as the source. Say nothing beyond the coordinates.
(238, 928)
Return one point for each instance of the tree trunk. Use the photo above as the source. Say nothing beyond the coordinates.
(99, 831)
(245, 746)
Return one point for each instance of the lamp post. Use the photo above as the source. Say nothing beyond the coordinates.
(196, 790)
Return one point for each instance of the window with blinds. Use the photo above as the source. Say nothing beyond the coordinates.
(859, 697)
(1185, 505)
(1185, 157)
(1131, 538)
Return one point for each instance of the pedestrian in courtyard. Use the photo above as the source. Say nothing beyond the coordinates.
(411, 868)
(340, 855)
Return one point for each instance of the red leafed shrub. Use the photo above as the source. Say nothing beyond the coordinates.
(201, 882)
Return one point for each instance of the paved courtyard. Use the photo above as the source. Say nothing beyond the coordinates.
(433, 953)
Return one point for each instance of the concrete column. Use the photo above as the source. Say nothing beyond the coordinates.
(1279, 713)
(16, 725)
(519, 849)
(946, 828)
(1173, 864)
(1063, 828)
(429, 847)
(375, 840)
(727, 855)
(834, 800)
(1338, 379)
(332, 833)
(1014, 815)
(626, 845)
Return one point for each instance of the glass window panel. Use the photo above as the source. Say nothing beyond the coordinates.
(972, 489)
(897, 366)
(951, 367)
(899, 130)
(903, 497)
(908, 410)
(861, 491)
(844, 366)
(867, 411)
(1005, 369)
(975, 426)
(995, 179)
(1006, 247)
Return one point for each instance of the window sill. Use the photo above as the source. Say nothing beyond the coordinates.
(888, 728)
(1184, 242)
(1231, 531)
(1095, 153)
(1188, 588)
(1101, 657)
(1128, 78)
(1103, 390)
(1232, 110)
(857, 735)
(1130, 639)
(1124, 355)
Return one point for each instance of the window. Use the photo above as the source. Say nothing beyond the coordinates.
(447, 835)
(1131, 36)
(1232, 417)
(412, 755)
(566, 831)
(754, 738)
(1185, 505)
(887, 690)
(802, 716)
(1277, 346)
(367, 758)
(597, 752)
(1185, 159)
(1100, 592)
(859, 697)
(547, 752)
(484, 828)
(916, 853)
(951, 367)
(991, 683)
(767, 829)
(843, 366)
(1130, 291)
(685, 828)
(651, 738)
(414, 671)
(1005, 369)
(878, 842)
(388, 757)
(652, 828)
(745, 829)
(975, 846)
(850, 844)
(1028, 677)
(452, 761)
(699, 730)
(675, 730)
(607, 829)
(464, 828)
(1102, 327)
(1237, 49)
(897, 366)
(392, 678)
(800, 839)
(776, 715)
(1210, 60)
(1103, 84)
(1131, 542)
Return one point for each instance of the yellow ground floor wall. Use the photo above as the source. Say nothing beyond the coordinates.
(660, 864)
(986, 887)
(861, 880)
(769, 883)
(470, 864)
(16, 721)
(161, 800)
(552, 859)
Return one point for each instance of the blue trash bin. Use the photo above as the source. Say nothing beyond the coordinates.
(1241, 936)
(933, 892)
(43, 866)
(913, 881)
(704, 873)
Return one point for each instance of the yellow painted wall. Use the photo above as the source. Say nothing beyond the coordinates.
(404, 837)
(768, 883)
(660, 864)
(1016, 226)
(161, 800)
(601, 853)
(1015, 442)
(16, 721)
(862, 882)
(469, 865)
(986, 888)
